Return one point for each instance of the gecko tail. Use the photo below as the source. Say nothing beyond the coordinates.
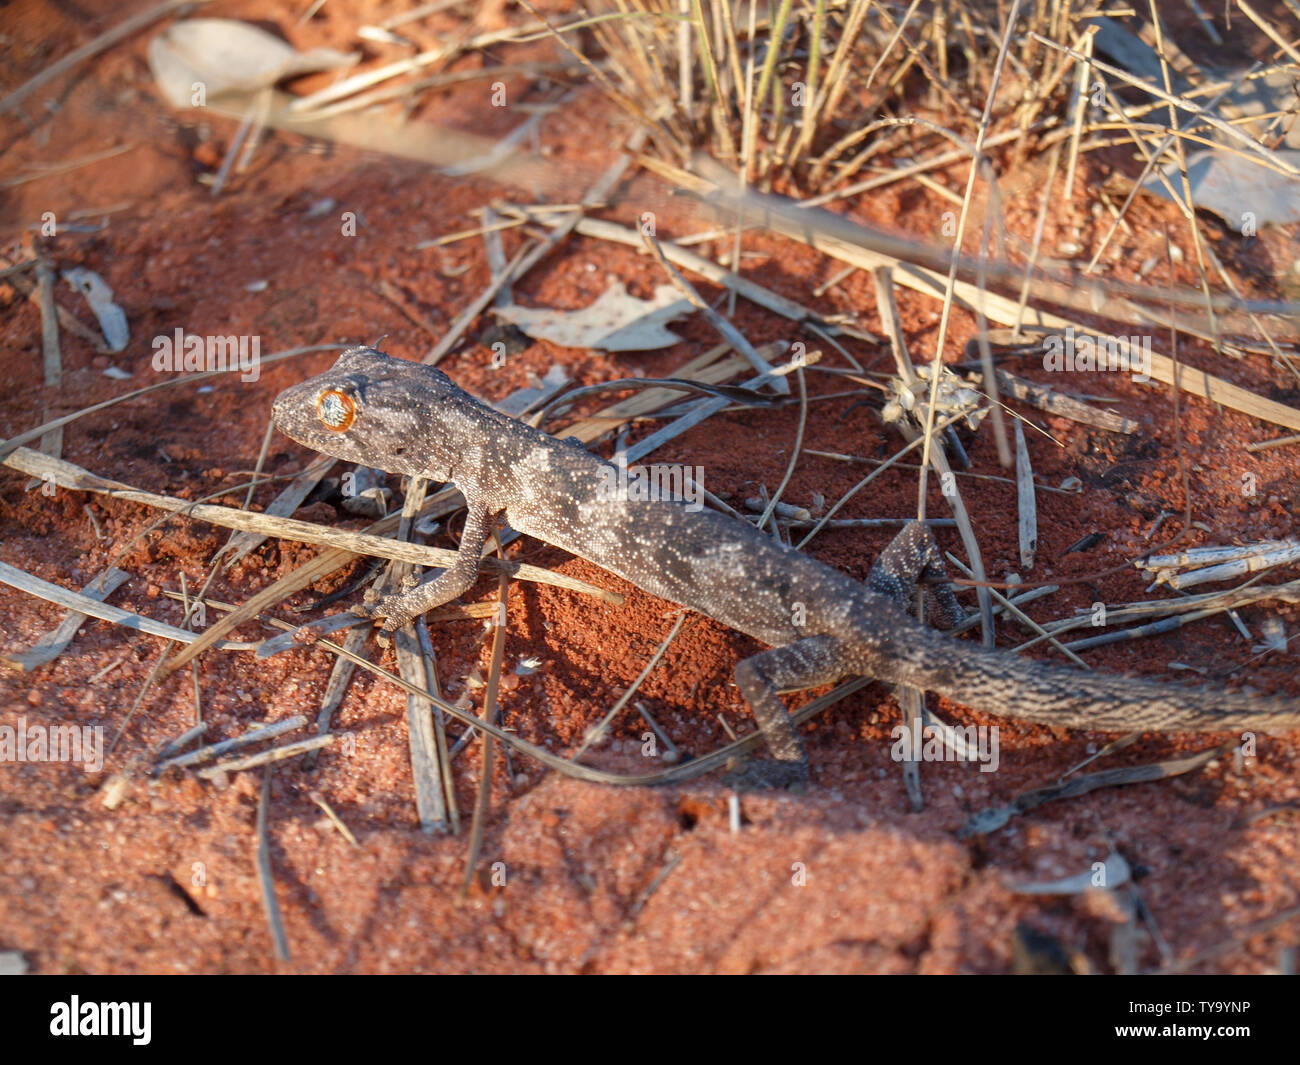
(1007, 685)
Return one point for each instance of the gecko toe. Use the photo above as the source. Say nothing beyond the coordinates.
(763, 774)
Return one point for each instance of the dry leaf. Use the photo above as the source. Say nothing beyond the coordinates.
(615, 322)
(227, 56)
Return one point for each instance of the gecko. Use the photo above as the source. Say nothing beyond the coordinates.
(819, 624)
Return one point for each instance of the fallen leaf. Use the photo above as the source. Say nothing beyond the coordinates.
(615, 322)
(227, 56)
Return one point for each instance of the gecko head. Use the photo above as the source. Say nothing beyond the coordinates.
(372, 409)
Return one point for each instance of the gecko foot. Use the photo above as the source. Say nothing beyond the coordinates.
(387, 608)
(762, 774)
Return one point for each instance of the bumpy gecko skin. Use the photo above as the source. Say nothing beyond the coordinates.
(821, 625)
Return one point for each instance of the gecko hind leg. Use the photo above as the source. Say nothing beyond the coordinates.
(806, 663)
(913, 559)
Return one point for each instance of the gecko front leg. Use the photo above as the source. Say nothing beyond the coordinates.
(399, 608)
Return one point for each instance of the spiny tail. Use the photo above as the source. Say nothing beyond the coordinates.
(998, 682)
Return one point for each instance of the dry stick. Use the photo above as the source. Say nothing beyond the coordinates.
(253, 735)
(313, 104)
(930, 72)
(528, 257)
(823, 229)
(67, 319)
(439, 726)
(721, 123)
(849, 139)
(749, 116)
(821, 523)
(180, 742)
(476, 306)
(71, 600)
(466, 234)
(283, 505)
(1269, 32)
(706, 268)
(723, 14)
(598, 731)
(1152, 159)
(8, 272)
(1184, 473)
(1189, 211)
(51, 442)
(158, 672)
(398, 299)
(412, 664)
(698, 412)
(1281, 441)
(942, 523)
(274, 754)
(685, 69)
(1005, 311)
(912, 169)
(1023, 599)
(1027, 508)
(489, 712)
(983, 594)
(698, 767)
(1236, 942)
(622, 99)
(53, 644)
(73, 164)
(645, 403)
(765, 79)
(190, 621)
(1287, 359)
(538, 72)
(982, 325)
(1220, 601)
(1266, 156)
(265, 877)
(887, 308)
(724, 328)
(70, 476)
(1022, 617)
(1044, 397)
(260, 102)
(258, 467)
(794, 451)
(8, 446)
(911, 701)
(991, 819)
(931, 455)
(105, 40)
(495, 250)
(335, 688)
(1080, 105)
(1153, 628)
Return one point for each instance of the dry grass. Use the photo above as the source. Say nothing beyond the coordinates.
(804, 96)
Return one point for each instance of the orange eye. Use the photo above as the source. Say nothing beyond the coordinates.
(336, 410)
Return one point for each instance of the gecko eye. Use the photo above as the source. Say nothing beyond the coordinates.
(336, 410)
